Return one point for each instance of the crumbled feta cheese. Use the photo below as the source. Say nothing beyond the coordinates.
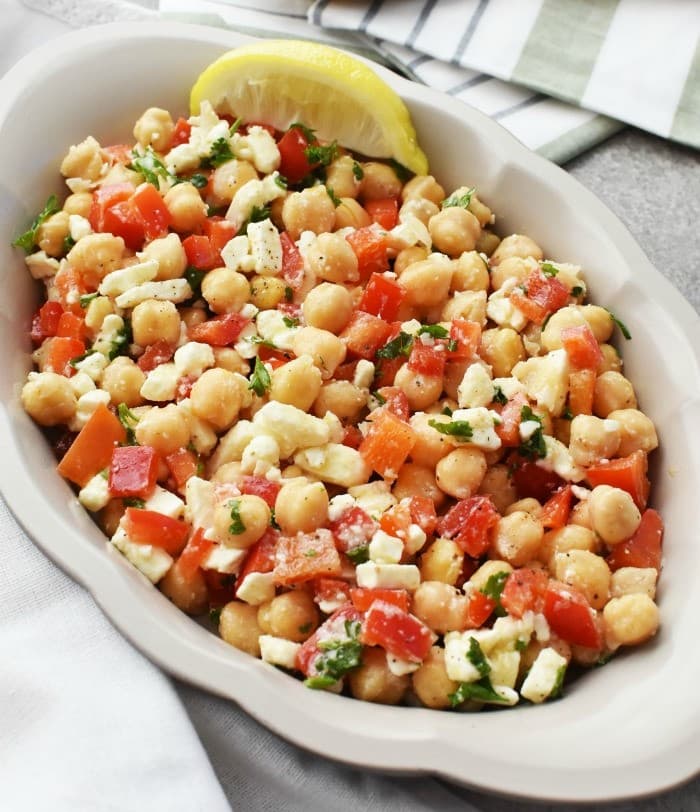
(509, 386)
(374, 498)
(385, 549)
(541, 628)
(152, 561)
(546, 379)
(41, 265)
(81, 383)
(258, 147)
(110, 331)
(559, 460)
(193, 358)
(476, 388)
(457, 663)
(118, 282)
(500, 308)
(199, 497)
(335, 463)
(202, 435)
(291, 427)
(94, 495)
(388, 576)
(271, 327)
(265, 247)
(171, 290)
(79, 227)
(261, 454)
(182, 158)
(504, 668)
(415, 539)
(93, 365)
(580, 492)
(236, 254)
(339, 505)
(411, 327)
(482, 422)
(87, 404)
(527, 428)
(254, 194)
(278, 651)
(410, 231)
(161, 383)
(400, 667)
(256, 588)
(224, 559)
(364, 374)
(245, 345)
(165, 502)
(543, 677)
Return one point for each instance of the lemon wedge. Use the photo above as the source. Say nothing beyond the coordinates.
(279, 82)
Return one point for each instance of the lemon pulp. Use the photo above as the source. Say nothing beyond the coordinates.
(280, 82)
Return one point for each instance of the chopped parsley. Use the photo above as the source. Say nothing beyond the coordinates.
(499, 396)
(339, 655)
(220, 154)
(494, 588)
(477, 658)
(311, 553)
(459, 201)
(273, 520)
(260, 380)
(604, 659)
(194, 278)
(336, 200)
(305, 627)
(120, 345)
(481, 691)
(150, 167)
(27, 241)
(433, 330)
(623, 328)
(567, 414)
(359, 555)
(402, 173)
(235, 127)
(129, 420)
(68, 243)
(134, 502)
(446, 411)
(461, 429)
(558, 688)
(548, 269)
(534, 447)
(236, 527)
(75, 361)
(86, 298)
(288, 293)
(215, 615)
(577, 290)
(290, 322)
(520, 644)
(199, 181)
(257, 215)
(452, 345)
(381, 400)
(307, 132)
(323, 155)
(401, 345)
(281, 181)
(357, 171)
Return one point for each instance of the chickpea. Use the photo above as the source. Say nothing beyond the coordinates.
(517, 538)
(84, 160)
(489, 568)
(228, 178)
(291, 615)
(328, 307)
(470, 273)
(516, 245)
(379, 181)
(266, 292)
(611, 359)
(120, 174)
(421, 390)
(308, 210)
(350, 214)
(427, 283)
(110, 516)
(51, 234)
(614, 515)
(153, 320)
(99, 308)
(216, 397)
(95, 256)
(228, 472)
(155, 129)
(341, 177)
(580, 515)
(431, 683)
(228, 358)
(442, 561)
(330, 257)
(297, 383)
(480, 210)
(193, 315)
(454, 230)
(166, 428)
(343, 398)
(599, 320)
(570, 316)
(528, 504)
(420, 208)
(326, 349)
(488, 242)
(49, 399)
(585, 571)
(417, 480)
(502, 349)
(407, 256)
(461, 472)
(630, 620)
(301, 506)
(498, 485)
(634, 580)
(78, 203)
(561, 430)
(441, 607)
(188, 592)
(123, 380)
(238, 626)
(469, 305)
(637, 431)
(423, 186)
(224, 290)
(593, 439)
(187, 209)
(430, 446)
(170, 255)
(374, 682)
(518, 268)
(613, 392)
(241, 521)
(565, 539)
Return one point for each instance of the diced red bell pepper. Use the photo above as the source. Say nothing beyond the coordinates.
(387, 444)
(396, 521)
(118, 154)
(382, 297)
(397, 632)
(532, 480)
(183, 388)
(46, 320)
(294, 165)
(555, 511)
(103, 199)
(628, 473)
(511, 415)
(71, 286)
(182, 465)
(154, 214)
(371, 249)
(221, 587)
(643, 549)
(192, 557)
(61, 351)
(570, 616)
(275, 358)
(533, 311)
(581, 391)
(363, 598)
(479, 609)
(92, 449)
(220, 331)
(396, 402)
(259, 486)
(292, 263)
(306, 556)
(155, 354)
(200, 252)
(133, 471)
(331, 591)
(352, 437)
(354, 528)
(543, 295)
(583, 350)
(428, 360)
(365, 334)
(345, 372)
(385, 370)
(150, 527)
(524, 591)
(335, 628)
(123, 220)
(465, 338)
(220, 232)
(468, 523)
(385, 211)
(423, 513)
(71, 326)
(261, 556)
(181, 133)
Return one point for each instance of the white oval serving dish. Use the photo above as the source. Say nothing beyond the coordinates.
(625, 730)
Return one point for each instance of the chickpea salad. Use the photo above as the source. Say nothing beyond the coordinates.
(321, 399)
